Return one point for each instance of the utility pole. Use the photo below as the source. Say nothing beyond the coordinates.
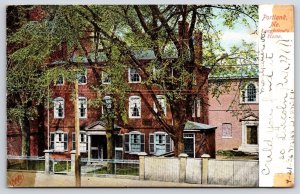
(77, 151)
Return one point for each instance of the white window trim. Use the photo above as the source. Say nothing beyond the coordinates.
(185, 135)
(104, 98)
(81, 74)
(59, 132)
(129, 77)
(60, 84)
(129, 110)
(246, 98)
(158, 97)
(129, 143)
(81, 143)
(86, 108)
(103, 75)
(63, 107)
(155, 143)
(196, 105)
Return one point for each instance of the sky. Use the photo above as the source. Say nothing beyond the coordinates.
(239, 32)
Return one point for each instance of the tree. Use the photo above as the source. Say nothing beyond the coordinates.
(119, 33)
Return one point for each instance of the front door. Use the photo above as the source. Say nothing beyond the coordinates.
(98, 147)
(189, 144)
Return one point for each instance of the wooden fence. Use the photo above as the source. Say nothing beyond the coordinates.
(240, 173)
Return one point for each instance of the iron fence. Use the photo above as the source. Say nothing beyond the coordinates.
(26, 163)
(60, 166)
(110, 167)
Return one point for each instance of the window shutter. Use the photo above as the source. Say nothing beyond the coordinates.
(73, 141)
(52, 141)
(142, 142)
(168, 143)
(65, 141)
(151, 143)
(126, 143)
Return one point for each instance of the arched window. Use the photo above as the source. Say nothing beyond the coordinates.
(251, 93)
(59, 106)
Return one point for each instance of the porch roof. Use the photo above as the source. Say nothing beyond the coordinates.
(100, 126)
(190, 125)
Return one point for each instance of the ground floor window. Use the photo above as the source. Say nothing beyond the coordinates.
(83, 142)
(251, 134)
(134, 142)
(59, 141)
(159, 143)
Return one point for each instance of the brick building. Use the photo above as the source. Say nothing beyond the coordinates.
(142, 132)
(235, 113)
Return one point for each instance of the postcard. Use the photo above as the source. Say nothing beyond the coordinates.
(150, 95)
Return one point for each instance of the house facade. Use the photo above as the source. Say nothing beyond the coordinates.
(235, 113)
(141, 133)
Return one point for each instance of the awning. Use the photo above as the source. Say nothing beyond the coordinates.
(191, 126)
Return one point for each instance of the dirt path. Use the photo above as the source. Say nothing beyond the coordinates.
(27, 179)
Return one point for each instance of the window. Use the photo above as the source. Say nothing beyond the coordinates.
(134, 107)
(106, 78)
(249, 94)
(59, 106)
(251, 134)
(159, 143)
(83, 142)
(106, 104)
(59, 141)
(196, 108)
(82, 78)
(134, 142)
(60, 80)
(82, 105)
(162, 101)
(226, 130)
(133, 76)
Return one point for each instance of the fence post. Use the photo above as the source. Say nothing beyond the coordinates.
(142, 165)
(182, 167)
(204, 170)
(47, 161)
(73, 152)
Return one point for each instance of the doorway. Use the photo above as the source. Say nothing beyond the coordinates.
(98, 147)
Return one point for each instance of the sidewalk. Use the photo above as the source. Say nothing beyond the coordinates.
(28, 179)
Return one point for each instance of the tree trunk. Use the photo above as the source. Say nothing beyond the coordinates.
(110, 146)
(41, 130)
(25, 131)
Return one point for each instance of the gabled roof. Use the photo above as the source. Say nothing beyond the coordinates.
(99, 126)
(190, 125)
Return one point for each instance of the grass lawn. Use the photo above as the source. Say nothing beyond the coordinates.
(235, 155)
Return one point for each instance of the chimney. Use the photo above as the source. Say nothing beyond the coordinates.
(183, 32)
(198, 49)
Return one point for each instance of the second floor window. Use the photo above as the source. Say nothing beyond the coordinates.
(106, 104)
(133, 76)
(134, 107)
(162, 101)
(59, 106)
(82, 106)
(249, 94)
(196, 108)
